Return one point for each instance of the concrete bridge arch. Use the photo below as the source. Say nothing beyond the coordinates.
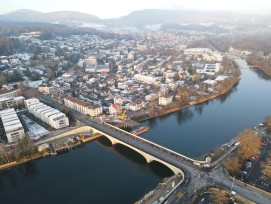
(149, 158)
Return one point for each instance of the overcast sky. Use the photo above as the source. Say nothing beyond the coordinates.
(117, 8)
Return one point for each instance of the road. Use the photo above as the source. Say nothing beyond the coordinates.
(195, 177)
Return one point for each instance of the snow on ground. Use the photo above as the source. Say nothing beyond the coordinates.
(35, 131)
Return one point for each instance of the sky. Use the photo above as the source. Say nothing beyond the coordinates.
(118, 8)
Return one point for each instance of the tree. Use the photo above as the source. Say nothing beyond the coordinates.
(232, 165)
(2, 80)
(219, 196)
(31, 93)
(25, 145)
(51, 73)
(268, 120)
(249, 145)
(21, 86)
(266, 166)
(4, 153)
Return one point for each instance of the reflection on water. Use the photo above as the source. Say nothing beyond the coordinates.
(227, 95)
(184, 115)
(27, 170)
(132, 156)
(261, 74)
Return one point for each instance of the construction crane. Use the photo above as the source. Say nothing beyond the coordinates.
(122, 116)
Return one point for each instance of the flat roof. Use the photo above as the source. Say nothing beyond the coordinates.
(10, 120)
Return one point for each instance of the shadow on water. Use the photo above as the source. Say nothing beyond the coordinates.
(152, 123)
(157, 168)
(227, 95)
(29, 169)
(184, 115)
(104, 141)
(131, 155)
(160, 169)
(199, 108)
(261, 74)
(10, 175)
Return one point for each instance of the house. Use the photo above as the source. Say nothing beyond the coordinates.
(165, 99)
(115, 109)
(137, 105)
(118, 99)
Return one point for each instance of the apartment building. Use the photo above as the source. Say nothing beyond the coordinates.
(47, 114)
(212, 69)
(10, 99)
(12, 125)
(83, 107)
(165, 99)
(145, 78)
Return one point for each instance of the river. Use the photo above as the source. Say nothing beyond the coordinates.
(97, 173)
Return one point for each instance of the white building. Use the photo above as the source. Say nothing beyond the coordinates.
(145, 78)
(196, 51)
(47, 114)
(212, 69)
(137, 105)
(115, 109)
(118, 99)
(9, 94)
(10, 99)
(165, 99)
(12, 125)
(83, 107)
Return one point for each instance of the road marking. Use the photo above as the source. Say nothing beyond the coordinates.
(180, 194)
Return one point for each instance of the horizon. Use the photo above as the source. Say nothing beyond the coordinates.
(103, 8)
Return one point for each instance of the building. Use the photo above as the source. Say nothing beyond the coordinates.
(137, 105)
(165, 99)
(47, 114)
(115, 109)
(10, 99)
(83, 107)
(12, 125)
(9, 94)
(212, 69)
(45, 89)
(118, 99)
(145, 78)
(197, 51)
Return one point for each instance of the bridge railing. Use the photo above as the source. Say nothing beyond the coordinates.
(159, 146)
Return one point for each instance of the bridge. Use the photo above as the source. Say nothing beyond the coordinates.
(195, 176)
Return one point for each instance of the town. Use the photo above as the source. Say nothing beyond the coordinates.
(112, 81)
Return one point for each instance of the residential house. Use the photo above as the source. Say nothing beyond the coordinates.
(115, 109)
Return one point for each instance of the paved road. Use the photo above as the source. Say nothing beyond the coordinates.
(195, 177)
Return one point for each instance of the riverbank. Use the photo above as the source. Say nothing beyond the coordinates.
(196, 102)
(23, 161)
(45, 154)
